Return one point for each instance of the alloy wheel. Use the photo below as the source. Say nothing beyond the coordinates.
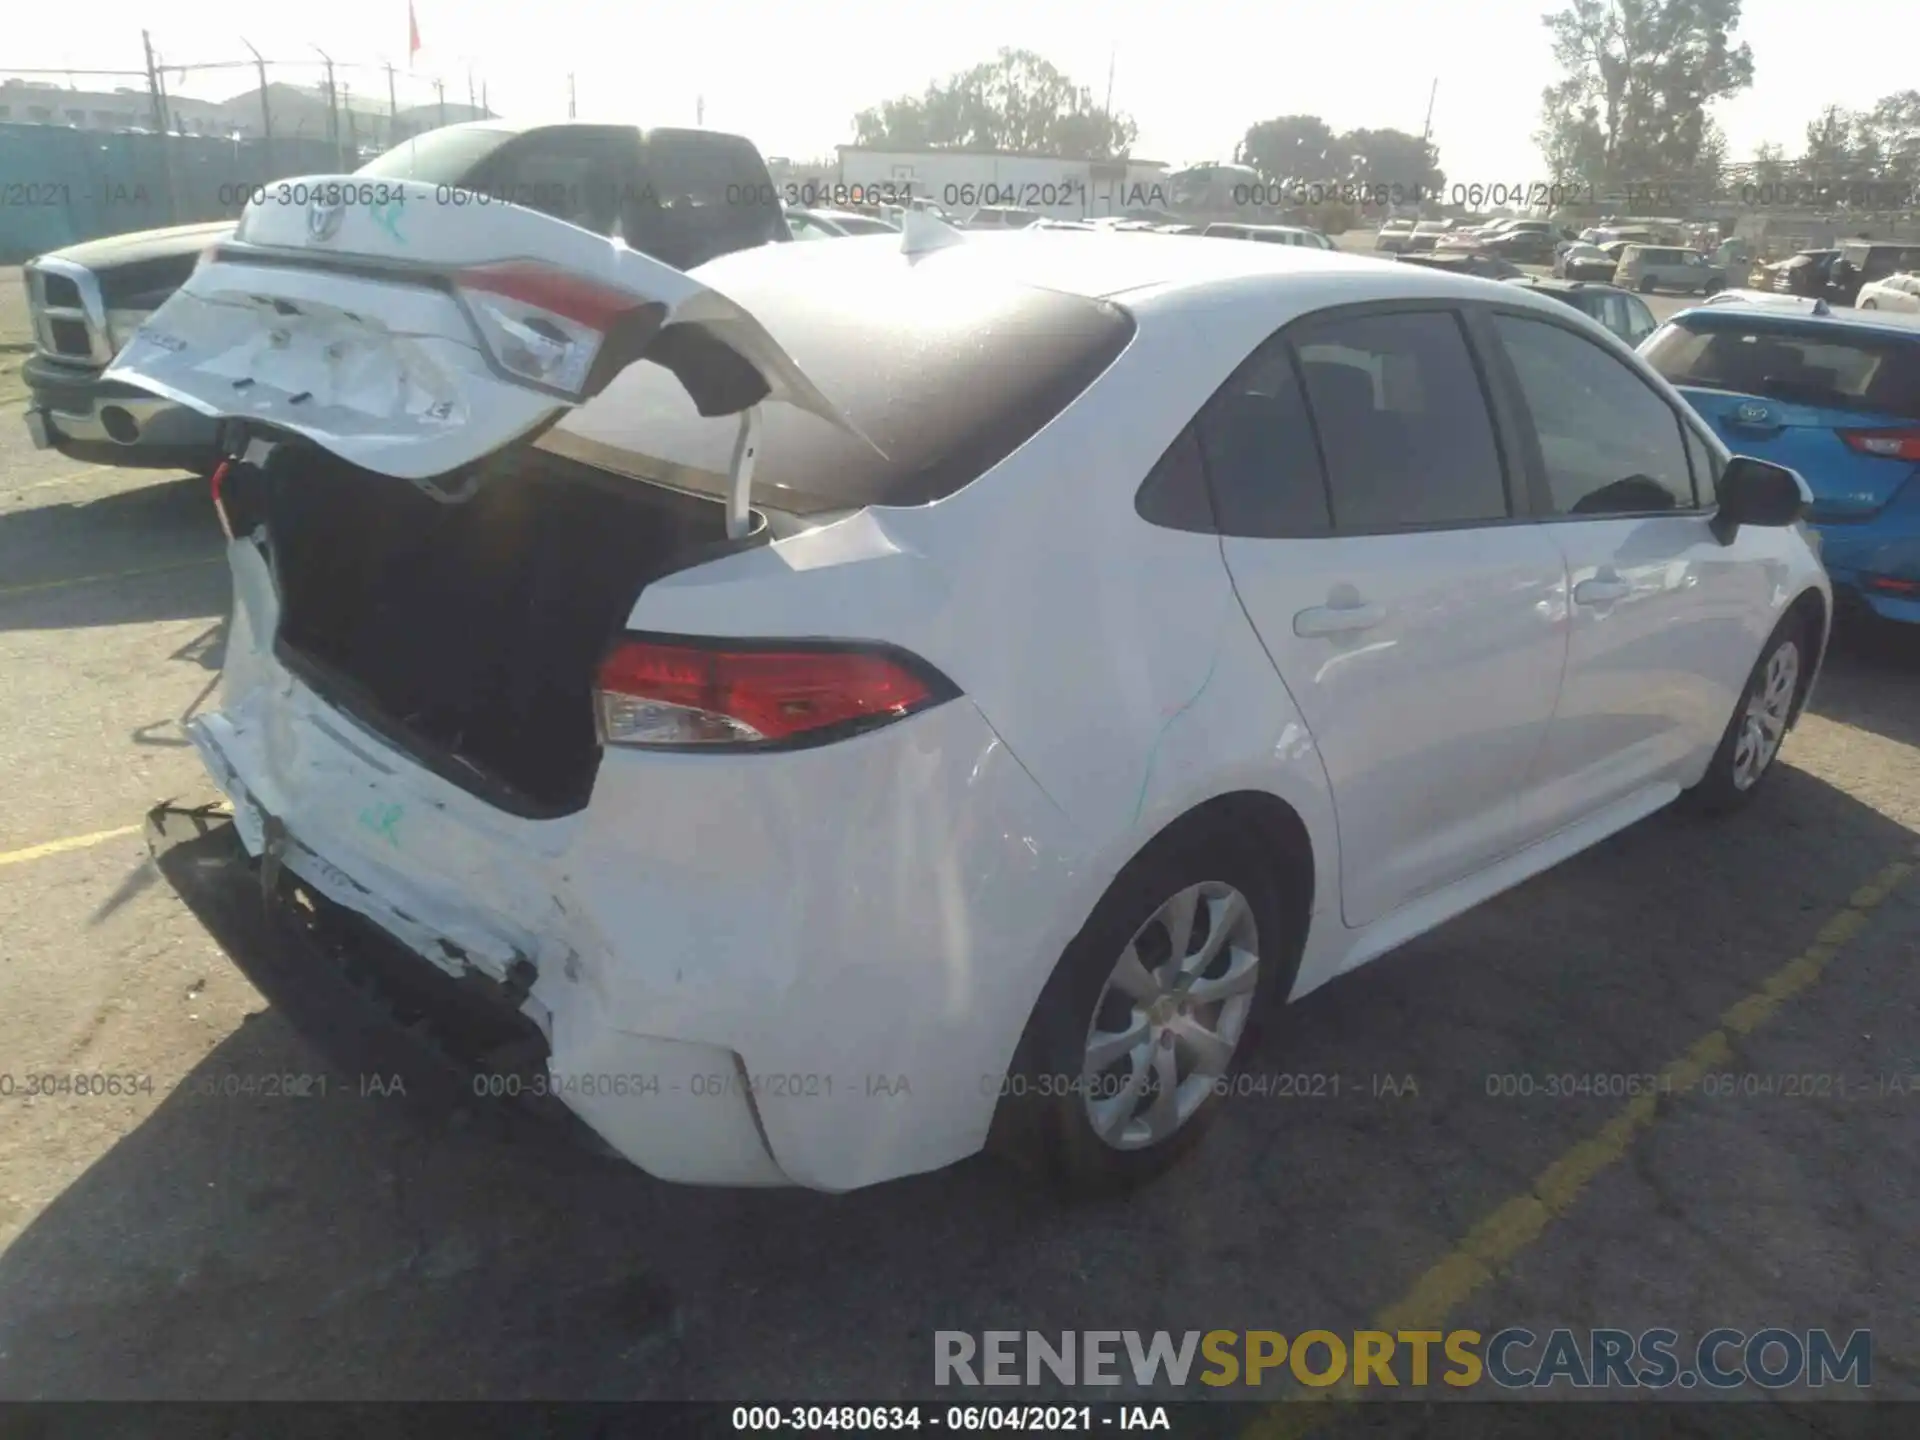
(1170, 1016)
(1764, 725)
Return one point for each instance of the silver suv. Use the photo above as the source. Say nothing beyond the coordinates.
(1661, 267)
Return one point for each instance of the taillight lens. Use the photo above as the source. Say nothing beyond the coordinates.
(1902, 444)
(654, 693)
(542, 324)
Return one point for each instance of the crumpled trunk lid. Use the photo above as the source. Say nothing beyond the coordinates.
(415, 337)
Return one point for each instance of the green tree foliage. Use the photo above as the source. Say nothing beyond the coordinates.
(1291, 149)
(1016, 101)
(1637, 77)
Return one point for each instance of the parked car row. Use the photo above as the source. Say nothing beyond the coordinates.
(1840, 274)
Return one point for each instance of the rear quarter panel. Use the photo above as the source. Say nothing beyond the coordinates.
(1111, 656)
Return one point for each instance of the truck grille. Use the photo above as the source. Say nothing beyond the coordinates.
(61, 292)
(69, 320)
(70, 337)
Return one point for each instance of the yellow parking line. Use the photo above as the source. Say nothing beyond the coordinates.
(111, 575)
(60, 847)
(1497, 1240)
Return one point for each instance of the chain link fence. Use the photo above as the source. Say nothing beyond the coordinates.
(91, 153)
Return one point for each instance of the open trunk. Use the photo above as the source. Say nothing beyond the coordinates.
(469, 634)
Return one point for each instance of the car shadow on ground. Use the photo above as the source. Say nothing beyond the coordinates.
(150, 552)
(1870, 678)
(241, 1245)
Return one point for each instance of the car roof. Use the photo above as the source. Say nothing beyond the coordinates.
(1149, 271)
(1548, 282)
(1878, 322)
(837, 214)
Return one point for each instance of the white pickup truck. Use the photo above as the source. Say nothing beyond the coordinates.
(684, 196)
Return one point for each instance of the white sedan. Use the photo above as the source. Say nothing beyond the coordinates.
(852, 705)
(1900, 293)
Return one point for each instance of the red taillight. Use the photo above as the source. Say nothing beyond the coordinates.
(558, 292)
(551, 327)
(1902, 444)
(655, 693)
(216, 485)
(1893, 585)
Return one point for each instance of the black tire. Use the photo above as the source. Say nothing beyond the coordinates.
(1712, 287)
(1042, 1122)
(1869, 304)
(1721, 790)
(1646, 285)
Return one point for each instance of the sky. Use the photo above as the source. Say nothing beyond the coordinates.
(1194, 75)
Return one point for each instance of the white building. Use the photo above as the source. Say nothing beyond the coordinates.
(959, 181)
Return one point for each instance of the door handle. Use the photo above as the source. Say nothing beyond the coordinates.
(1601, 592)
(1337, 619)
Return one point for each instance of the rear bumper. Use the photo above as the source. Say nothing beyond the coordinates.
(72, 410)
(384, 1020)
(1876, 565)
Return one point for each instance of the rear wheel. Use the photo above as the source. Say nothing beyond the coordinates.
(1138, 1034)
(1869, 304)
(1646, 286)
(1759, 724)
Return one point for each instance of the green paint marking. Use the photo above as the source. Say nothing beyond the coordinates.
(381, 820)
(387, 216)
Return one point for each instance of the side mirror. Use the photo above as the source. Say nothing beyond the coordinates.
(1758, 492)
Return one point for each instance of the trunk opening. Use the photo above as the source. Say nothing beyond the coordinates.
(468, 634)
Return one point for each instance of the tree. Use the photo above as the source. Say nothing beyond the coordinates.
(1889, 134)
(1392, 157)
(1291, 147)
(1829, 151)
(1016, 101)
(1637, 78)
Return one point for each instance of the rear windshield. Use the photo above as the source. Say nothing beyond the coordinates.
(947, 375)
(1800, 364)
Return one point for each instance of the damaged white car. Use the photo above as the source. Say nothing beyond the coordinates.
(850, 703)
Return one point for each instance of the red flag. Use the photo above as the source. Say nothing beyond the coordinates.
(413, 34)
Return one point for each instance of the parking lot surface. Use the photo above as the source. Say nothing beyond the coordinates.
(197, 1238)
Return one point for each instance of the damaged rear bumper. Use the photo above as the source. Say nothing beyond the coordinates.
(384, 1016)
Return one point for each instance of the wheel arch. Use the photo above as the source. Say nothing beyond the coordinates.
(1268, 826)
(1811, 609)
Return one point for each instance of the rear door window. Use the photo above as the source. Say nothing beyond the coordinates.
(1261, 459)
(1402, 421)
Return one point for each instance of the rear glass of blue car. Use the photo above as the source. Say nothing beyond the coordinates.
(1801, 362)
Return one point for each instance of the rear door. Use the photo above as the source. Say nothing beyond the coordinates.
(1659, 637)
(1372, 537)
(414, 337)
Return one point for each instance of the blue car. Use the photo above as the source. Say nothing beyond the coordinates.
(1836, 396)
